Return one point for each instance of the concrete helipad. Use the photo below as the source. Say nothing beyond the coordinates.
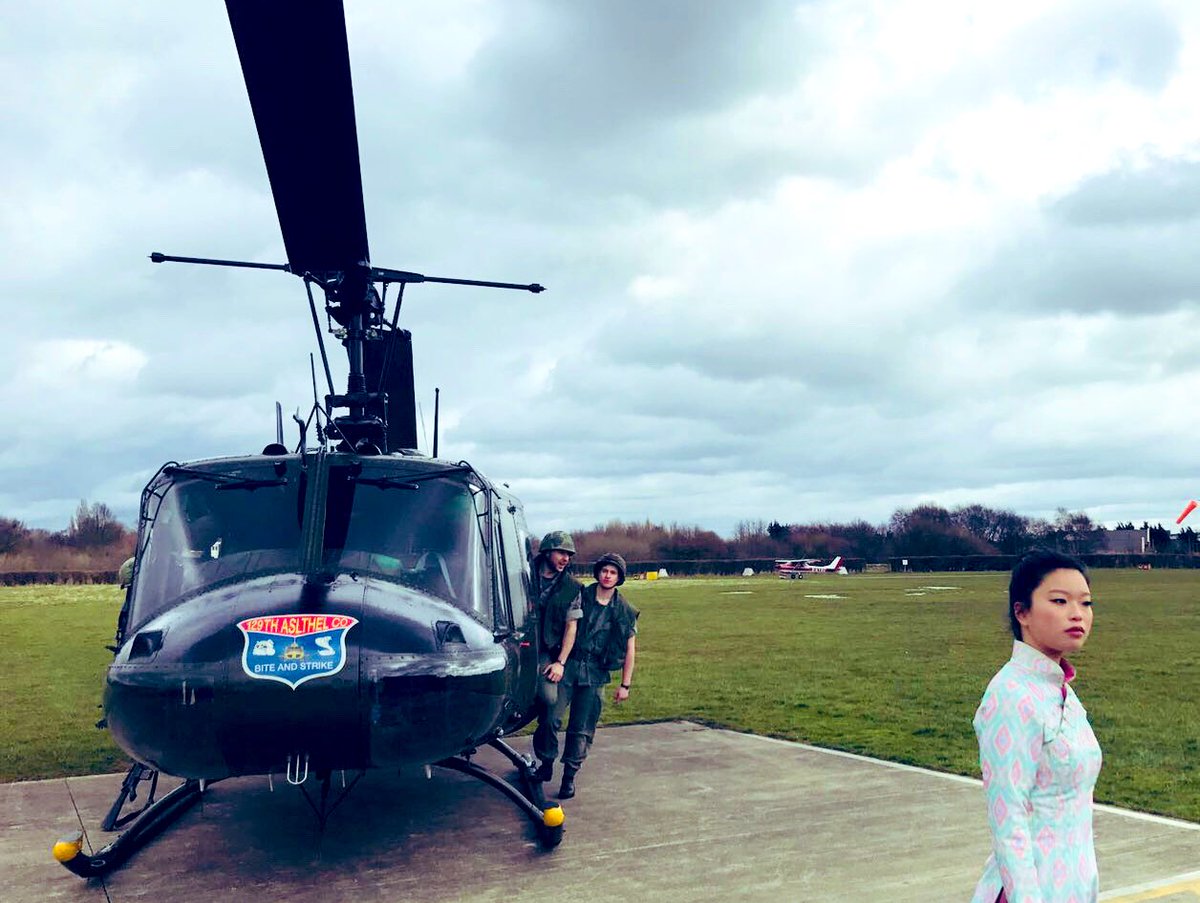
(671, 811)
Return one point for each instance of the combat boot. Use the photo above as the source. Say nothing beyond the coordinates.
(567, 790)
(544, 772)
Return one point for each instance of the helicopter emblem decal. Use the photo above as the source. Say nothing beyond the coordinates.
(294, 648)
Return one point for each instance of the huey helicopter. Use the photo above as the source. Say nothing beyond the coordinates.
(340, 607)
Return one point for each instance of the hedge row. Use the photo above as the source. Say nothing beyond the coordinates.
(28, 578)
(731, 567)
(927, 563)
(720, 567)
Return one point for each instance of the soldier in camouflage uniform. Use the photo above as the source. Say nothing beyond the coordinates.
(605, 642)
(557, 596)
(125, 578)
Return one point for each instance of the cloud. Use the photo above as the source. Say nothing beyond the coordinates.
(1160, 193)
(584, 75)
(1085, 43)
(805, 260)
(1133, 268)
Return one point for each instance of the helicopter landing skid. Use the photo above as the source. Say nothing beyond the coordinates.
(144, 824)
(129, 791)
(548, 819)
(156, 814)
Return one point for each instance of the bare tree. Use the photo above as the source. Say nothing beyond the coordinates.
(1074, 531)
(1006, 530)
(93, 526)
(13, 534)
(932, 530)
(751, 539)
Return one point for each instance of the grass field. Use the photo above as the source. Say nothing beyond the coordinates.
(893, 667)
(52, 672)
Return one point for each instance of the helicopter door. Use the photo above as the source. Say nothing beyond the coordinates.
(516, 591)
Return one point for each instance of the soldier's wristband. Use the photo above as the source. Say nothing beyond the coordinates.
(561, 664)
(624, 686)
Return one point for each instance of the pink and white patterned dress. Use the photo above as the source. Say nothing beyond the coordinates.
(1040, 761)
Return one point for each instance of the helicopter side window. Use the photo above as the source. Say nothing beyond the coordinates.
(503, 609)
(516, 566)
(203, 532)
(422, 534)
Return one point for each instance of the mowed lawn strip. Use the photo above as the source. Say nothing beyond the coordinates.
(52, 674)
(896, 666)
(893, 668)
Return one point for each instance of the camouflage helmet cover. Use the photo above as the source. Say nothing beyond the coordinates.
(125, 573)
(615, 560)
(559, 540)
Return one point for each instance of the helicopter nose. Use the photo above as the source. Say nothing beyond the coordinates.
(388, 676)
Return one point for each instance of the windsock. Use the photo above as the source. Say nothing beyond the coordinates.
(1191, 506)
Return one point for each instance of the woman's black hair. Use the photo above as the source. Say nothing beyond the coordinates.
(1027, 575)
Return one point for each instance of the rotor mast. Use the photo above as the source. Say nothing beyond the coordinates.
(296, 62)
(352, 301)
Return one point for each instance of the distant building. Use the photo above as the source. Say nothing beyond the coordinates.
(1131, 542)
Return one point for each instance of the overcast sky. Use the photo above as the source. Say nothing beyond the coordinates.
(805, 261)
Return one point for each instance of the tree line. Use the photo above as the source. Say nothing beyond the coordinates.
(927, 529)
(96, 540)
(93, 541)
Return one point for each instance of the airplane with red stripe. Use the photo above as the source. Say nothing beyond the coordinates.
(796, 568)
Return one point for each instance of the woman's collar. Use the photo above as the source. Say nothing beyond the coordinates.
(1032, 660)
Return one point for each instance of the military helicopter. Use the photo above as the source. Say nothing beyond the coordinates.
(347, 605)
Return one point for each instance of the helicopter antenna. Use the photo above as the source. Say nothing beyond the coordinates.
(278, 423)
(387, 355)
(381, 384)
(312, 366)
(303, 433)
(312, 306)
(437, 393)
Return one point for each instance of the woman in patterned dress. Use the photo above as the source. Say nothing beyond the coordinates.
(1037, 751)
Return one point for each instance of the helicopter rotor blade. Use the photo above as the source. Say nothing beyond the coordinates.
(296, 63)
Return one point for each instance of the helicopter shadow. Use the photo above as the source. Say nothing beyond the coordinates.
(397, 835)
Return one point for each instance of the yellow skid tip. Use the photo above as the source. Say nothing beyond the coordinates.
(68, 848)
(552, 816)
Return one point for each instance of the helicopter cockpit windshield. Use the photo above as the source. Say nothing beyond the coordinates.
(420, 531)
(208, 527)
(424, 529)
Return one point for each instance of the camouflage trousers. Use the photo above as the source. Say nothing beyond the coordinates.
(545, 735)
(585, 704)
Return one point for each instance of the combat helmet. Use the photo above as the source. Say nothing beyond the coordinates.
(125, 573)
(557, 540)
(615, 560)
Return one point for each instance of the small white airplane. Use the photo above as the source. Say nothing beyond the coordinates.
(796, 568)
